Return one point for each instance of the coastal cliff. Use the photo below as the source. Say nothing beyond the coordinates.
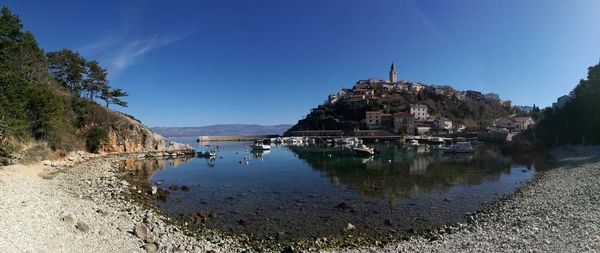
(129, 135)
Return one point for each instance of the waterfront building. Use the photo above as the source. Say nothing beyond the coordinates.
(378, 120)
(404, 123)
(420, 111)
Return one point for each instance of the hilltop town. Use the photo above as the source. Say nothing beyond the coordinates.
(376, 107)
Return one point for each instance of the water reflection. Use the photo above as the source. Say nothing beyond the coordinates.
(404, 172)
(147, 167)
(305, 191)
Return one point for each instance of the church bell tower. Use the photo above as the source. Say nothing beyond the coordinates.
(393, 74)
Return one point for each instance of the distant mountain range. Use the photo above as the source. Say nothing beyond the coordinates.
(224, 129)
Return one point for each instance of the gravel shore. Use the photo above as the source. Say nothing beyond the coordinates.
(80, 205)
(557, 212)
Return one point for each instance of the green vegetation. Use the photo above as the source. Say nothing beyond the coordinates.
(50, 97)
(578, 122)
(95, 137)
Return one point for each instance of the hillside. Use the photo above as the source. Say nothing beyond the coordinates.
(49, 102)
(469, 108)
(224, 129)
(577, 120)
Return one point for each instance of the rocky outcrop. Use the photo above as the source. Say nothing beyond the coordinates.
(129, 136)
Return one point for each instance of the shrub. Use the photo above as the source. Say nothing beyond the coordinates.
(95, 138)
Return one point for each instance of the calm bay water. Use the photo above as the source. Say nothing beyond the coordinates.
(301, 192)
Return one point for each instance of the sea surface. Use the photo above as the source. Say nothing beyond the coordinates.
(294, 192)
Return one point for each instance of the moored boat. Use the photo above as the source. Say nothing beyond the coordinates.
(260, 145)
(460, 147)
(363, 150)
(207, 154)
(295, 140)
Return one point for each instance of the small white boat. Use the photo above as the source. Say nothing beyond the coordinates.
(259, 145)
(207, 154)
(295, 141)
(349, 141)
(460, 147)
(363, 150)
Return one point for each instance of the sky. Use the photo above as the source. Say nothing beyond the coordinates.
(194, 63)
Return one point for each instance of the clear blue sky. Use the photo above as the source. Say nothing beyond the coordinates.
(190, 63)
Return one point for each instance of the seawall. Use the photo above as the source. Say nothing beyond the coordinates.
(235, 137)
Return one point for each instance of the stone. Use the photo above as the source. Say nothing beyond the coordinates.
(124, 183)
(185, 188)
(82, 227)
(350, 227)
(67, 219)
(141, 231)
(151, 247)
(154, 190)
(46, 163)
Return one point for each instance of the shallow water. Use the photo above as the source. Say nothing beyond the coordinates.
(303, 192)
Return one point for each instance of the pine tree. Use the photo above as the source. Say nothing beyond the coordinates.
(96, 80)
(68, 68)
(114, 97)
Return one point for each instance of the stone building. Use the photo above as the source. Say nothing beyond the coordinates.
(393, 74)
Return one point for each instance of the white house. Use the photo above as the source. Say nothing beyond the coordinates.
(442, 123)
(419, 111)
(377, 120)
(514, 123)
(416, 87)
